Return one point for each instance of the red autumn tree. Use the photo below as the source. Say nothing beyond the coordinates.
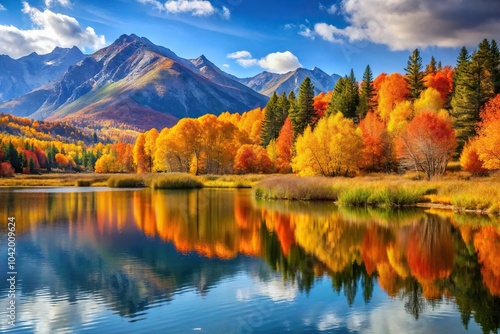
(374, 138)
(470, 160)
(426, 144)
(284, 148)
(441, 81)
(252, 159)
(393, 90)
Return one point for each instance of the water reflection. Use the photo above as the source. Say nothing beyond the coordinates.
(135, 250)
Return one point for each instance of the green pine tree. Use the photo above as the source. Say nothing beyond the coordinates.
(270, 124)
(431, 67)
(465, 112)
(345, 97)
(285, 107)
(302, 115)
(495, 66)
(367, 93)
(414, 75)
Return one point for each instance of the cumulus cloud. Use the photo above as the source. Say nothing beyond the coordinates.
(64, 3)
(280, 62)
(193, 7)
(277, 62)
(408, 24)
(49, 30)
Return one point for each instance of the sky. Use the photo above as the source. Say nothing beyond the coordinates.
(246, 37)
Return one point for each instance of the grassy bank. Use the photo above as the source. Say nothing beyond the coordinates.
(480, 195)
(152, 180)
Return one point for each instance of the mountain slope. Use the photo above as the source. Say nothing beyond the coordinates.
(135, 82)
(267, 83)
(19, 76)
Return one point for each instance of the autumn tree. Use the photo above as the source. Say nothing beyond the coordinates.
(252, 159)
(333, 148)
(107, 163)
(426, 144)
(442, 81)
(302, 113)
(150, 148)
(375, 141)
(140, 157)
(430, 100)
(470, 160)
(393, 90)
(414, 75)
(284, 148)
(488, 140)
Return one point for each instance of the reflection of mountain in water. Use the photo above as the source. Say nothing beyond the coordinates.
(139, 248)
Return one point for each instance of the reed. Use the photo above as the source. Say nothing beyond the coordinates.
(175, 181)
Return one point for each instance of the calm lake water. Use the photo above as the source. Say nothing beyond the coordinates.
(220, 261)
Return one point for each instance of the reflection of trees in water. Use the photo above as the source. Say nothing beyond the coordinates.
(418, 257)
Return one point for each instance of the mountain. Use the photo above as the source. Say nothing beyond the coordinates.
(134, 82)
(20, 76)
(267, 83)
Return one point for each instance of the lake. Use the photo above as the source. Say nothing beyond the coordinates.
(95, 260)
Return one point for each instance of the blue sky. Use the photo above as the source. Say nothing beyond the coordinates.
(245, 37)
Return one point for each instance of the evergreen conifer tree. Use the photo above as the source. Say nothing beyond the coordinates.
(414, 75)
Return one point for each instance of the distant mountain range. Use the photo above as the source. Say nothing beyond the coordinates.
(20, 76)
(267, 83)
(136, 83)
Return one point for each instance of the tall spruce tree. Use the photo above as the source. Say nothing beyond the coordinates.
(367, 93)
(495, 66)
(345, 97)
(464, 105)
(272, 118)
(414, 75)
(431, 67)
(285, 107)
(302, 115)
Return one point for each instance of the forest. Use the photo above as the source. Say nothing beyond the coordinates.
(416, 121)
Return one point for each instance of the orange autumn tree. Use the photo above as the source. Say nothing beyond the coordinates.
(470, 160)
(442, 81)
(139, 153)
(284, 148)
(374, 136)
(252, 159)
(488, 140)
(426, 144)
(393, 90)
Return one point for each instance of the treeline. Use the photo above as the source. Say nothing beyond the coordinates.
(418, 121)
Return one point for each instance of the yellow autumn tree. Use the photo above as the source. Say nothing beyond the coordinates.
(160, 160)
(429, 100)
(150, 147)
(333, 148)
(107, 163)
(140, 154)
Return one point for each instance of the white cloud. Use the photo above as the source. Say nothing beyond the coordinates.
(329, 9)
(277, 62)
(289, 26)
(306, 32)
(49, 30)
(408, 24)
(2, 7)
(328, 32)
(226, 13)
(226, 65)
(239, 54)
(280, 62)
(64, 3)
(194, 7)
